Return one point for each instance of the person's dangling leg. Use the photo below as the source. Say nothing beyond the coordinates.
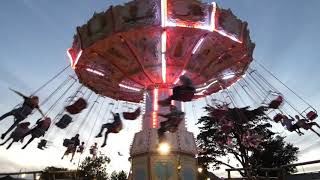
(10, 144)
(73, 153)
(30, 140)
(296, 128)
(15, 123)
(65, 153)
(11, 113)
(314, 131)
(5, 141)
(101, 130)
(314, 124)
(105, 138)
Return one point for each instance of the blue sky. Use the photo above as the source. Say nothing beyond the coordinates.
(34, 36)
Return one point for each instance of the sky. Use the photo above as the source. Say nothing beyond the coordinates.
(34, 36)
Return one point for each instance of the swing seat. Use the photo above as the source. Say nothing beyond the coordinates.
(66, 142)
(77, 106)
(185, 95)
(275, 104)
(117, 129)
(18, 133)
(132, 115)
(64, 121)
(312, 115)
(24, 125)
(277, 118)
(38, 132)
(45, 124)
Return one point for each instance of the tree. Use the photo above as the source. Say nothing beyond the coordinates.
(94, 168)
(243, 133)
(118, 176)
(48, 173)
(276, 153)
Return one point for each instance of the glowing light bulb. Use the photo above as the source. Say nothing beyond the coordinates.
(164, 148)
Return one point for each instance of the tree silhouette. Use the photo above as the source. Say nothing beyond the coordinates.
(118, 176)
(48, 173)
(92, 168)
(276, 153)
(244, 134)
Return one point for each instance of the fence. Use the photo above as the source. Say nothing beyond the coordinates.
(49, 174)
(281, 171)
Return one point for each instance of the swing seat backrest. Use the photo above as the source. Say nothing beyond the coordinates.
(64, 121)
(19, 133)
(312, 115)
(185, 96)
(45, 124)
(277, 118)
(38, 132)
(117, 129)
(132, 115)
(275, 104)
(77, 106)
(66, 142)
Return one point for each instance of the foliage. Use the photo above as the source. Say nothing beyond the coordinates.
(276, 153)
(46, 174)
(94, 167)
(216, 141)
(118, 176)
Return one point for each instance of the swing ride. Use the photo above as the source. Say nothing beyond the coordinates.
(157, 56)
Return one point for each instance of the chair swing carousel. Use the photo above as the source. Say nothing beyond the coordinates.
(137, 52)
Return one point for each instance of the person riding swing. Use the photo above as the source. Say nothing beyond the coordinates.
(17, 134)
(305, 124)
(38, 131)
(114, 127)
(174, 118)
(72, 145)
(185, 92)
(21, 113)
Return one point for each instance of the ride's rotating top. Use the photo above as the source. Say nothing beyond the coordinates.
(147, 44)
